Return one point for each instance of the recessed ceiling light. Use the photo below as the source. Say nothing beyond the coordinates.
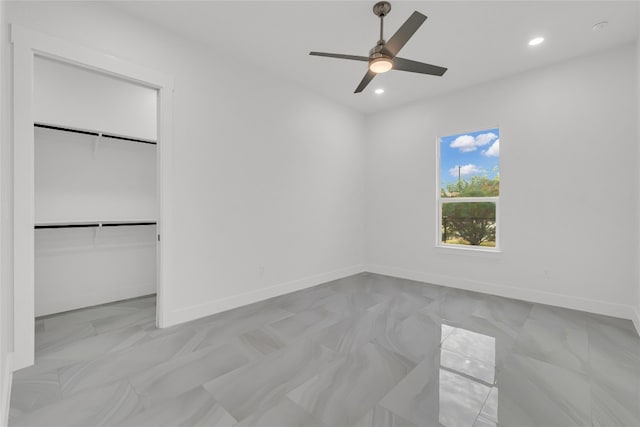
(379, 91)
(536, 41)
(600, 26)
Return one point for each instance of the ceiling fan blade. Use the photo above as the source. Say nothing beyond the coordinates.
(417, 67)
(365, 81)
(340, 56)
(404, 33)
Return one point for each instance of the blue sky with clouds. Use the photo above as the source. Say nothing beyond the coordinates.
(476, 153)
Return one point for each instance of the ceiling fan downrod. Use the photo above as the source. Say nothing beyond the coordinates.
(381, 9)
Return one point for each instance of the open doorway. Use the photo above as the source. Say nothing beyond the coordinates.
(95, 139)
(72, 204)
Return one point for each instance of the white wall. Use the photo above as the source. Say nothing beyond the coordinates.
(566, 179)
(637, 192)
(68, 96)
(5, 294)
(85, 178)
(81, 267)
(267, 177)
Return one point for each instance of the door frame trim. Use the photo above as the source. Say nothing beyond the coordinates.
(26, 45)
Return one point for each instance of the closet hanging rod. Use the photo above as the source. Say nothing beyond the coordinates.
(86, 132)
(94, 224)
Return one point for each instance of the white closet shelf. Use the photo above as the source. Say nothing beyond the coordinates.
(94, 223)
(94, 133)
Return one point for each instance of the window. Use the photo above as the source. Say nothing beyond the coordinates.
(468, 190)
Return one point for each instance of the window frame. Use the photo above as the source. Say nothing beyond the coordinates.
(442, 200)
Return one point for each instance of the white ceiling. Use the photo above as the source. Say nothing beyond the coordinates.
(478, 41)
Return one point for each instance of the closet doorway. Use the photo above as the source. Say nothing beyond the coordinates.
(57, 216)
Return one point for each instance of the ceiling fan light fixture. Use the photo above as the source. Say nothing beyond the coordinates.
(380, 65)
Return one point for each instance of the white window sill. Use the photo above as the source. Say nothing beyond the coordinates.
(468, 250)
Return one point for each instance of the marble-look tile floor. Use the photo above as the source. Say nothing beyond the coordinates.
(367, 350)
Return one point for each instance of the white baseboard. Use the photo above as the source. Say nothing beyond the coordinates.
(77, 300)
(576, 303)
(636, 318)
(531, 295)
(5, 390)
(212, 307)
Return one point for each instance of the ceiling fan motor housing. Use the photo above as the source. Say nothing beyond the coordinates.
(376, 54)
(376, 51)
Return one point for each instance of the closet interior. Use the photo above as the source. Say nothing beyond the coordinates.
(95, 188)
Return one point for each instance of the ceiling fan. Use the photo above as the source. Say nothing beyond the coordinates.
(382, 57)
